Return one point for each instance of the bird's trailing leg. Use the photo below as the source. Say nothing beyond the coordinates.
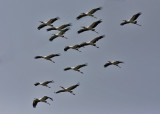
(95, 46)
(52, 61)
(64, 37)
(47, 102)
(80, 71)
(138, 24)
(95, 31)
(78, 50)
(118, 66)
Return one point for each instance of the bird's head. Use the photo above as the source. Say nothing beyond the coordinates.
(41, 21)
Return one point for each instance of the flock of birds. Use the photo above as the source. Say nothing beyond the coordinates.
(62, 30)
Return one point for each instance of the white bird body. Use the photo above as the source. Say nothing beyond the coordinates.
(43, 99)
(132, 20)
(69, 89)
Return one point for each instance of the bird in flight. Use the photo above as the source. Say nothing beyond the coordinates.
(60, 34)
(76, 68)
(75, 47)
(90, 13)
(132, 20)
(48, 57)
(48, 23)
(43, 99)
(44, 83)
(92, 42)
(60, 28)
(69, 89)
(91, 27)
(113, 63)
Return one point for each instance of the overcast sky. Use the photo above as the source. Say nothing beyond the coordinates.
(132, 89)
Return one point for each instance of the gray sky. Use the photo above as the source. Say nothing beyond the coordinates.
(133, 89)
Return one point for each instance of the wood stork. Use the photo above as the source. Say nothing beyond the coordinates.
(76, 68)
(91, 27)
(48, 57)
(60, 34)
(90, 13)
(49, 23)
(43, 99)
(60, 28)
(44, 83)
(113, 63)
(75, 47)
(132, 20)
(92, 42)
(69, 89)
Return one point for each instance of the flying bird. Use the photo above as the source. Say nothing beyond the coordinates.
(76, 68)
(60, 28)
(113, 63)
(91, 27)
(49, 23)
(69, 89)
(43, 99)
(75, 47)
(90, 13)
(60, 34)
(48, 57)
(44, 83)
(132, 20)
(92, 42)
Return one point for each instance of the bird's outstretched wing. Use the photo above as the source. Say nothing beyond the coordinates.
(47, 82)
(46, 97)
(73, 87)
(53, 20)
(67, 68)
(97, 38)
(64, 26)
(80, 66)
(53, 37)
(82, 30)
(37, 57)
(81, 15)
(94, 10)
(37, 83)
(62, 90)
(66, 48)
(53, 55)
(134, 17)
(41, 26)
(117, 62)
(52, 28)
(63, 31)
(107, 64)
(123, 23)
(94, 24)
(35, 103)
